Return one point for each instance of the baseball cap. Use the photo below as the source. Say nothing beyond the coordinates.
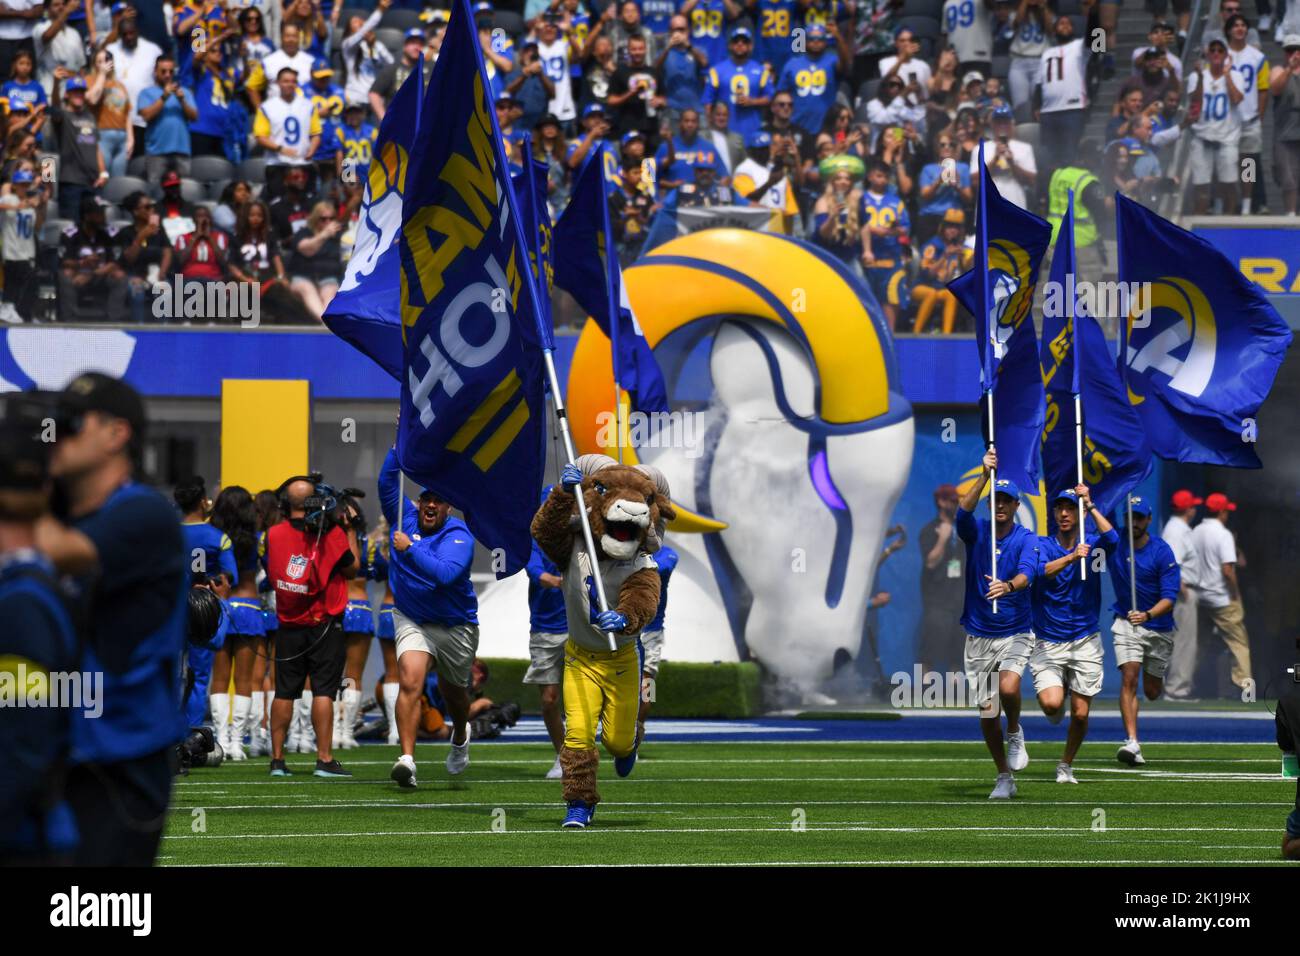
(74, 83)
(1291, 41)
(23, 176)
(1184, 499)
(483, 7)
(172, 178)
(1003, 112)
(505, 96)
(321, 66)
(1216, 38)
(758, 140)
(972, 76)
(631, 135)
(740, 32)
(817, 32)
(1065, 494)
(1140, 505)
(1219, 502)
(1005, 486)
(353, 106)
(97, 392)
(24, 458)
(591, 108)
(90, 201)
(433, 16)
(117, 8)
(415, 33)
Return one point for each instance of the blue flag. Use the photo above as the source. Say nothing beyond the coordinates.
(1009, 247)
(1077, 360)
(471, 424)
(586, 266)
(530, 192)
(1200, 347)
(365, 310)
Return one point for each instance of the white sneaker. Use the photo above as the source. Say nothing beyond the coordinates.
(1065, 773)
(1017, 755)
(458, 757)
(556, 772)
(1005, 788)
(1130, 753)
(404, 772)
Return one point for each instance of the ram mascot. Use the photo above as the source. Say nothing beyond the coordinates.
(627, 514)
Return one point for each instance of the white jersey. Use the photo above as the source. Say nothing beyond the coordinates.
(290, 124)
(17, 230)
(1252, 64)
(1065, 84)
(966, 22)
(1030, 40)
(1220, 121)
(580, 604)
(555, 63)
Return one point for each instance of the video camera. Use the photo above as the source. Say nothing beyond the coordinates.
(326, 507)
(199, 749)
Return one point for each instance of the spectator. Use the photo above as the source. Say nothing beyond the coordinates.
(508, 110)
(1010, 161)
(214, 93)
(176, 212)
(873, 35)
(1228, 9)
(627, 26)
(1146, 165)
(943, 259)
(291, 55)
(1128, 109)
(254, 43)
(306, 17)
(1025, 73)
(629, 212)
(22, 118)
(390, 78)
(907, 65)
(1252, 64)
(92, 285)
(363, 56)
(358, 138)
(256, 258)
(316, 263)
(112, 105)
(783, 123)
(1218, 591)
(531, 88)
(1161, 37)
(22, 214)
(813, 78)
(596, 130)
(885, 236)
(288, 128)
(1153, 78)
(167, 109)
(729, 144)
(1092, 205)
(1063, 96)
(633, 92)
(707, 21)
(290, 209)
(17, 24)
(1117, 170)
(678, 155)
(680, 67)
(553, 50)
(143, 252)
(774, 21)
(968, 26)
(744, 85)
(57, 44)
(234, 197)
(835, 225)
(81, 164)
(1215, 94)
(550, 148)
(945, 186)
(20, 151)
(21, 85)
(946, 86)
(943, 580)
(892, 107)
(498, 49)
(705, 191)
(967, 132)
(204, 254)
(135, 58)
(1284, 84)
(327, 99)
(602, 66)
(196, 20)
(764, 178)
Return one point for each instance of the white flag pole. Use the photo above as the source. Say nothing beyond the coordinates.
(993, 503)
(1132, 573)
(1078, 457)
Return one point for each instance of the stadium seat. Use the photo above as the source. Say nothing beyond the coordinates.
(192, 191)
(217, 187)
(867, 91)
(1028, 133)
(136, 167)
(1080, 24)
(118, 188)
(400, 20)
(1001, 66)
(208, 168)
(923, 8)
(253, 170)
(923, 28)
(347, 13)
(393, 39)
(1025, 113)
(53, 230)
(509, 21)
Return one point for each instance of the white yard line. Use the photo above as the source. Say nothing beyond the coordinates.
(973, 802)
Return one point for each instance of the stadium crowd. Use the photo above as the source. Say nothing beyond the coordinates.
(230, 140)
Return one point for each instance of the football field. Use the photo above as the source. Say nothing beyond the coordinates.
(746, 803)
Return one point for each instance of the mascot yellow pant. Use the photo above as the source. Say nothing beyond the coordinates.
(604, 687)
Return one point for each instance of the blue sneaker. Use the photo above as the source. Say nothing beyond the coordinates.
(623, 765)
(579, 815)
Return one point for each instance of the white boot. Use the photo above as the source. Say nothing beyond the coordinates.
(390, 706)
(294, 737)
(256, 733)
(307, 742)
(220, 704)
(338, 721)
(242, 707)
(351, 704)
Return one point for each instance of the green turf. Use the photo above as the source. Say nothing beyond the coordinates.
(744, 803)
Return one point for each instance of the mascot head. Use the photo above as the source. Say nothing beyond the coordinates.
(624, 509)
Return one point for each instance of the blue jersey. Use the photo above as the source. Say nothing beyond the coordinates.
(579, 30)
(327, 101)
(1067, 607)
(887, 211)
(209, 551)
(358, 147)
(210, 23)
(655, 14)
(212, 96)
(1158, 577)
(686, 158)
(136, 634)
(666, 559)
(813, 84)
(708, 20)
(729, 80)
(681, 81)
(609, 156)
(1017, 554)
(331, 140)
(38, 636)
(776, 22)
(430, 579)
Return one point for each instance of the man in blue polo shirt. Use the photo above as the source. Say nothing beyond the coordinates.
(1144, 634)
(548, 633)
(996, 617)
(1067, 605)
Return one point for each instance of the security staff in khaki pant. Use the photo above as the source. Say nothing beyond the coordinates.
(1217, 591)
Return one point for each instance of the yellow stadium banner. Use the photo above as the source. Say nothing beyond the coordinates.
(265, 431)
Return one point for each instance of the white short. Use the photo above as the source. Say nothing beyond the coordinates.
(987, 656)
(1213, 161)
(1053, 663)
(452, 647)
(1251, 142)
(546, 658)
(1151, 649)
(652, 649)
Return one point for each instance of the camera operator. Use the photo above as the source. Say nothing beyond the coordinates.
(1288, 736)
(123, 546)
(309, 559)
(36, 826)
